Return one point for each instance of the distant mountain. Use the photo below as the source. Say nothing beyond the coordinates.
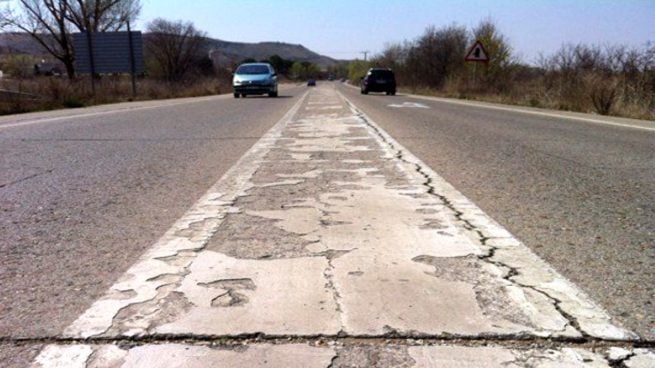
(20, 43)
(227, 53)
(223, 53)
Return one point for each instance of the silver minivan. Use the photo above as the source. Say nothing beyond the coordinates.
(254, 79)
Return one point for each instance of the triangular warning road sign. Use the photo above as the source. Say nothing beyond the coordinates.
(477, 53)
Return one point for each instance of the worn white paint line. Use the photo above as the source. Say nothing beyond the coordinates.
(116, 110)
(142, 281)
(534, 273)
(540, 113)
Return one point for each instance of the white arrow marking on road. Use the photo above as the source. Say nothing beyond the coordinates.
(414, 105)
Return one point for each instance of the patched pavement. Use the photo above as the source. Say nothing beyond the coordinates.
(329, 244)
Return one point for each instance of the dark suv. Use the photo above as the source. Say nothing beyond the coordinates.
(379, 80)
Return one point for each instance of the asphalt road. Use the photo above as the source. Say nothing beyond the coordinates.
(84, 192)
(82, 197)
(579, 194)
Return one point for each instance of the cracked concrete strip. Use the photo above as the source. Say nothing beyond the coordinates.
(176, 249)
(514, 258)
(335, 355)
(188, 356)
(328, 227)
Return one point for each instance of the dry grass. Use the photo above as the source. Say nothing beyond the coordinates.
(47, 93)
(594, 95)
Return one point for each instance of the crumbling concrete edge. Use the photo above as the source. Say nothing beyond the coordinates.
(505, 251)
(182, 242)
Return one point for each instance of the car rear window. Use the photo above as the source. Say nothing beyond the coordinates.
(252, 69)
(386, 74)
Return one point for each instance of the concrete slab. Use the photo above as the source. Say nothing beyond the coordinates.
(188, 356)
(454, 356)
(228, 296)
(334, 354)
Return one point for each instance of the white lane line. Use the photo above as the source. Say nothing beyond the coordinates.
(591, 317)
(413, 105)
(531, 112)
(207, 213)
(109, 112)
(537, 113)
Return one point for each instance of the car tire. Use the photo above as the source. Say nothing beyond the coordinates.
(272, 94)
(364, 92)
(243, 95)
(236, 95)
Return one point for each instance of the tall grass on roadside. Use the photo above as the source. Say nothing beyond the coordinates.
(47, 93)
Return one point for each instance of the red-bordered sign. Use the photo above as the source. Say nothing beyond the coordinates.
(477, 53)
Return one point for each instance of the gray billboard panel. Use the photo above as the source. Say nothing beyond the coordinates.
(111, 52)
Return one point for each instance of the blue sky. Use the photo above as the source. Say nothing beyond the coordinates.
(343, 28)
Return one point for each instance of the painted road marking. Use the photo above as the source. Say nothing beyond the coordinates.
(328, 227)
(639, 124)
(411, 105)
(540, 113)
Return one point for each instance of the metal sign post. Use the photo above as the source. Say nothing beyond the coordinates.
(89, 40)
(132, 68)
(477, 54)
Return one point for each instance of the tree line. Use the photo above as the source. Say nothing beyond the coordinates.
(173, 50)
(51, 22)
(604, 79)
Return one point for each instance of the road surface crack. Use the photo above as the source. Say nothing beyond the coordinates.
(26, 178)
(621, 362)
(330, 284)
(511, 272)
(509, 341)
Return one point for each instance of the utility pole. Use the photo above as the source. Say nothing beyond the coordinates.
(365, 54)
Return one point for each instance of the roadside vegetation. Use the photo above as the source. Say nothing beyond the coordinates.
(607, 80)
(177, 58)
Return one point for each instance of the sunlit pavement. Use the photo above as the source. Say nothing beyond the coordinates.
(329, 244)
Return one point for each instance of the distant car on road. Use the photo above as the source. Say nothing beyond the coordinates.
(311, 83)
(255, 79)
(379, 80)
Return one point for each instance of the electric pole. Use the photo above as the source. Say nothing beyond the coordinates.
(365, 54)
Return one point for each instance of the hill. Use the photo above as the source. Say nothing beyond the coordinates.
(226, 53)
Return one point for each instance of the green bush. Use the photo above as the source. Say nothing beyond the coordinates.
(72, 103)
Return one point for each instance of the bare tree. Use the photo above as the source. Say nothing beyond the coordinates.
(174, 47)
(45, 21)
(49, 22)
(102, 15)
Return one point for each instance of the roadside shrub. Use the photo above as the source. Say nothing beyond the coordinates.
(72, 102)
(603, 94)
